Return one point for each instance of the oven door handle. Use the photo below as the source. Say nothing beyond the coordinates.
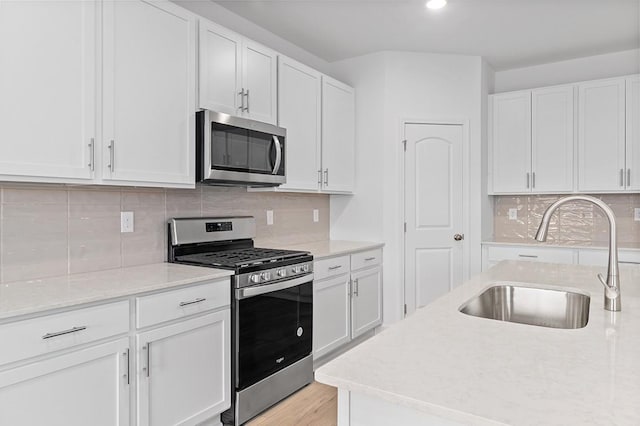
(245, 293)
(276, 166)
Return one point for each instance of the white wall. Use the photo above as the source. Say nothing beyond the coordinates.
(359, 217)
(488, 82)
(590, 68)
(222, 16)
(412, 86)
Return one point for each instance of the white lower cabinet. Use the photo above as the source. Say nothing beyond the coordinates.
(84, 387)
(87, 366)
(347, 301)
(183, 371)
(366, 303)
(331, 310)
(491, 255)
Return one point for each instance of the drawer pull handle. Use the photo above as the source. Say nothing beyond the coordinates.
(198, 300)
(369, 259)
(528, 255)
(62, 333)
(333, 268)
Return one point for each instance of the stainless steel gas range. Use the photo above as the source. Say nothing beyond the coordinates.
(271, 308)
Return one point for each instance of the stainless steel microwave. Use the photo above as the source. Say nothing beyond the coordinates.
(239, 152)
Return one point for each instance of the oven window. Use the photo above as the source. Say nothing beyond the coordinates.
(274, 331)
(242, 150)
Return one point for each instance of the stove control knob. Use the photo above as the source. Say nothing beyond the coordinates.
(282, 273)
(255, 278)
(266, 276)
(295, 269)
(305, 268)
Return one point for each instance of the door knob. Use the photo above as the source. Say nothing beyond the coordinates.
(458, 237)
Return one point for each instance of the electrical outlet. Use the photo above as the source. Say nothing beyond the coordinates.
(636, 214)
(269, 217)
(513, 214)
(126, 221)
(316, 215)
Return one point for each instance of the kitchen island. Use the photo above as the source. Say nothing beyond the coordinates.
(442, 367)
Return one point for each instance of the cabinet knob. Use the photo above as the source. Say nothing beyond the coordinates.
(458, 237)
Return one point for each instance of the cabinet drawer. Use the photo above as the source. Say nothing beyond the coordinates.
(331, 267)
(601, 257)
(366, 259)
(37, 336)
(170, 305)
(542, 254)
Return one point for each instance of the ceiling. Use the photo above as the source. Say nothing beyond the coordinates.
(508, 33)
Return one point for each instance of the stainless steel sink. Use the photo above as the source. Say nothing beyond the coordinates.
(530, 305)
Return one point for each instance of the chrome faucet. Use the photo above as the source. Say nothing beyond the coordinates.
(612, 283)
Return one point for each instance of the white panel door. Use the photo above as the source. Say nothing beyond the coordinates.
(184, 371)
(510, 142)
(433, 212)
(633, 134)
(331, 313)
(220, 79)
(259, 78)
(149, 93)
(601, 135)
(299, 111)
(80, 388)
(338, 136)
(366, 300)
(47, 88)
(552, 139)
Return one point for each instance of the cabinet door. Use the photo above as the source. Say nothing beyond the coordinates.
(259, 77)
(552, 139)
(633, 133)
(299, 111)
(220, 69)
(510, 142)
(47, 89)
(85, 387)
(330, 314)
(601, 135)
(338, 136)
(149, 93)
(184, 371)
(366, 301)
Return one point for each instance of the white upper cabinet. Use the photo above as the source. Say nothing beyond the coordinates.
(601, 135)
(338, 136)
(259, 77)
(220, 69)
(552, 139)
(584, 138)
(633, 134)
(47, 90)
(299, 111)
(237, 76)
(510, 142)
(149, 93)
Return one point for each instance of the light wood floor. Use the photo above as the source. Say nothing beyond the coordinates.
(313, 405)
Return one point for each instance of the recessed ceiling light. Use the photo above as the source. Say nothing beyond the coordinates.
(436, 4)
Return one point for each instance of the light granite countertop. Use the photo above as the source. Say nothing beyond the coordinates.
(480, 371)
(33, 296)
(330, 248)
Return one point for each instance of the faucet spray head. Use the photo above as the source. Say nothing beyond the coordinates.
(543, 230)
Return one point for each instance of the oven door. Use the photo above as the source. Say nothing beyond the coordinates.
(274, 328)
(237, 150)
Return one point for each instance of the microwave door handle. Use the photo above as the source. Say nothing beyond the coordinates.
(276, 166)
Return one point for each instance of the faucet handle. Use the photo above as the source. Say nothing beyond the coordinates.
(610, 290)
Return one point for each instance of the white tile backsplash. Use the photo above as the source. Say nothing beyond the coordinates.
(50, 230)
